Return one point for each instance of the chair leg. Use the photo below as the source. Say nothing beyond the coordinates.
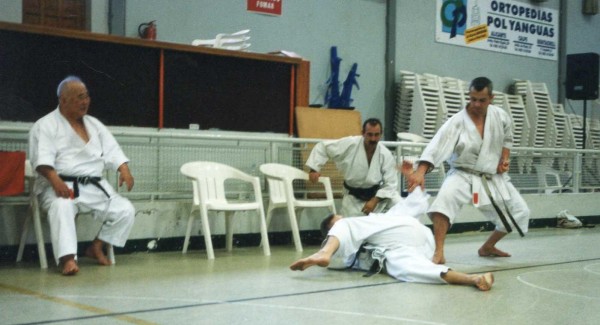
(263, 232)
(24, 234)
(294, 226)
(206, 230)
(268, 222)
(111, 254)
(229, 230)
(188, 232)
(39, 235)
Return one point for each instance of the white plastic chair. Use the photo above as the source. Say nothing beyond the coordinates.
(234, 41)
(281, 195)
(208, 182)
(548, 179)
(36, 217)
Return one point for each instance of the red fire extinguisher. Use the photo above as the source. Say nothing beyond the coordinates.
(147, 30)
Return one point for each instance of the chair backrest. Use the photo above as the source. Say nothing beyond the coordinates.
(28, 169)
(283, 171)
(280, 177)
(235, 41)
(209, 178)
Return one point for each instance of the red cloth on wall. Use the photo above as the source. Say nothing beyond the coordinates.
(12, 172)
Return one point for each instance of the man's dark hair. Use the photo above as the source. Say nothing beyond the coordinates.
(325, 225)
(372, 121)
(480, 83)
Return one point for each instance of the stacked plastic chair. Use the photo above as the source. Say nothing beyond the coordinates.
(404, 101)
(235, 41)
(514, 106)
(455, 95)
(537, 105)
(427, 111)
(549, 127)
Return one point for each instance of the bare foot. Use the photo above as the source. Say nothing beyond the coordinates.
(69, 265)
(315, 259)
(492, 252)
(95, 252)
(484, 282)
(438, 258)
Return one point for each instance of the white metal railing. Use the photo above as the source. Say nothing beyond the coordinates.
(156, 156)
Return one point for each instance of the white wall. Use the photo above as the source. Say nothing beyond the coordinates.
(357, 27)
(582, 36)
(307, 27)
(11, 11)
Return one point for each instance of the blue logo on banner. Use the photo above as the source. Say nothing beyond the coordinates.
(454, 17)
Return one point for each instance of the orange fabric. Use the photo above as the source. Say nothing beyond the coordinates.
(12, 172)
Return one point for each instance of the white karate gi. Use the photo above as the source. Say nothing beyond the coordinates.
(459, 142)
(53, 142)
(397, 235)
(350, 157)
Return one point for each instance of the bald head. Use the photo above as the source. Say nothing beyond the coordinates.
(73, 98)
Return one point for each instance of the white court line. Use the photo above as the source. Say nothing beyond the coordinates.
(331, 311)
(196, 301)
(588, 270)
(552, 290)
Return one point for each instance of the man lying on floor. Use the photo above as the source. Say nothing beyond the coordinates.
(395, 240)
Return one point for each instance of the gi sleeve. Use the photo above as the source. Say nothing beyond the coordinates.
(442, 145)
(112, 154)
(389, 187)
(42, 146)
(330, 149)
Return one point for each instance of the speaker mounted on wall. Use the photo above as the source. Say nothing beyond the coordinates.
(589, 7)
(582, 76)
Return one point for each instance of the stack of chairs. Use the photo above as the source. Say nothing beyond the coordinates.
(404, 101)
(537, 105)
(237, 41)
(455, 95)
(427, 112)
(514, 106)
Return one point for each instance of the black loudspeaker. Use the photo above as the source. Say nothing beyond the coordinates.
(582, 76)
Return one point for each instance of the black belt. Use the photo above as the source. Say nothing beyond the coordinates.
(83, 180)
(484, 180)
(364, 194)
(375, 268)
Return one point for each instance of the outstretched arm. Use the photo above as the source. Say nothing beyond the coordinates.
(417, 178)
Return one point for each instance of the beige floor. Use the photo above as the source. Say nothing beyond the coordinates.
(552, 278)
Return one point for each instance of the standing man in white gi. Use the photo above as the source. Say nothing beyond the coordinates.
(370, 177)
(395, 239)
(70, 150)
(475, 142)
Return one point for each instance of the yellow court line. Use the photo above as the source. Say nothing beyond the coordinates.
(69, 303)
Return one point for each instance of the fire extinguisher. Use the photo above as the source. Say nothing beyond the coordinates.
(147, 30)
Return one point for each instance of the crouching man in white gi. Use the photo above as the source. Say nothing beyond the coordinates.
(70, 150)
(396, 240)
(370, 178)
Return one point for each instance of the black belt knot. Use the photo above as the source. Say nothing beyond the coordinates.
(363, 194)
(84, 180)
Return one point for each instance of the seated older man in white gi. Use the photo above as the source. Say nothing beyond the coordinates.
(395, 240)
(70, 150)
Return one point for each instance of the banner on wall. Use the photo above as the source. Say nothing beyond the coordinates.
(270, 7)
(502, 26)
